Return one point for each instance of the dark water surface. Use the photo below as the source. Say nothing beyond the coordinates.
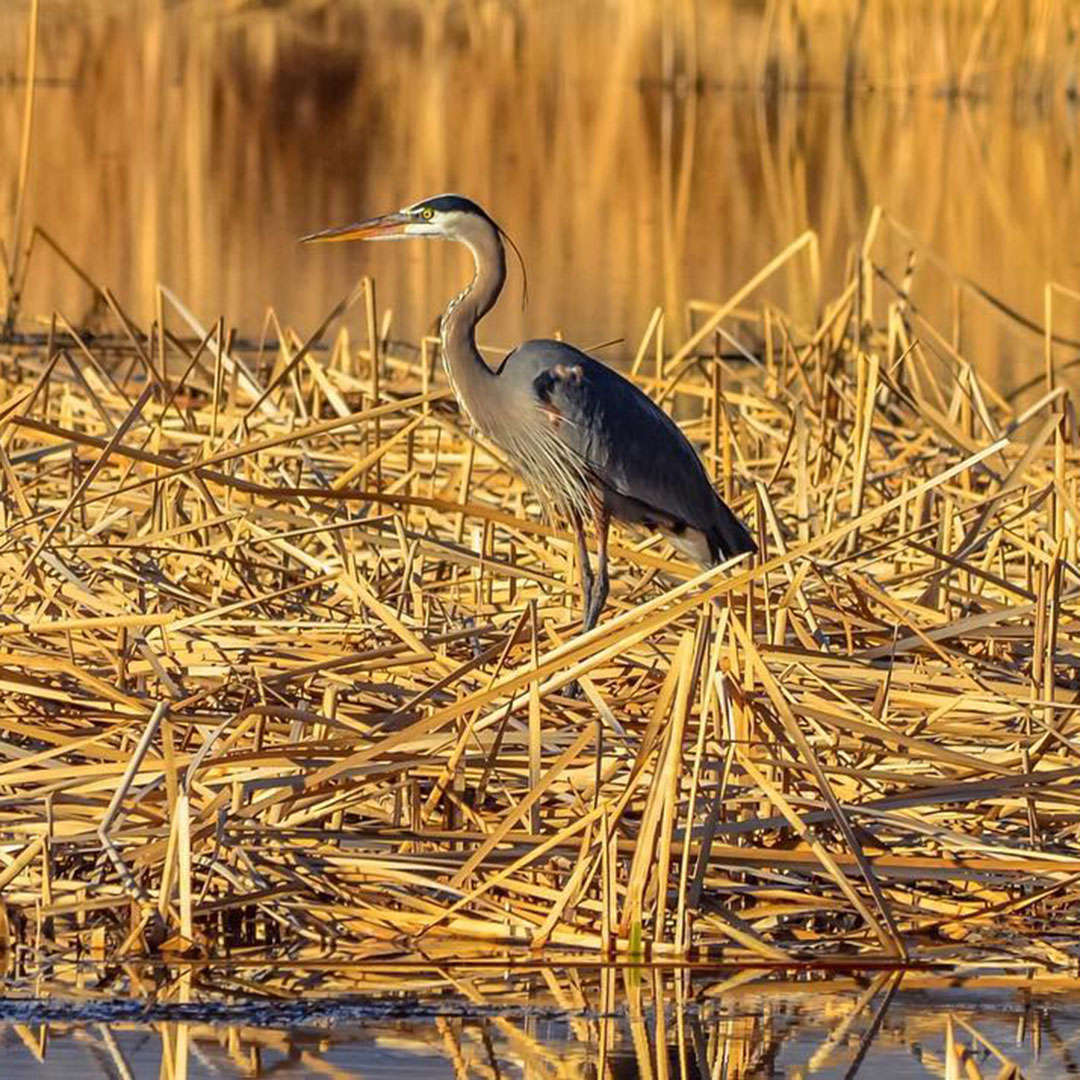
(623, 145)
(557, 1022)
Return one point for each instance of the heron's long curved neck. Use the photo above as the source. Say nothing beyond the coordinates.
(472, 380)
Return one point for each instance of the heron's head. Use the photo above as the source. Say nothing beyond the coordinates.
(445, 217)
(448, 217)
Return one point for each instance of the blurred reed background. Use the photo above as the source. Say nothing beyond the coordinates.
(641, 152)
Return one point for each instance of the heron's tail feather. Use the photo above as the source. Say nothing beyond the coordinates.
(723, 540)
(728, 536)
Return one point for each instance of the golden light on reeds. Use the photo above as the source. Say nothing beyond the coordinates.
(270, 660)
(630, 153)
(284, 648)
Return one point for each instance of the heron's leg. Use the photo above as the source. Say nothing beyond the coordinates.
(598, 593)
(587, 585)
(583, 563)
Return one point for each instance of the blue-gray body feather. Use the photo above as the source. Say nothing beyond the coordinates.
(617, 448)
(591, 442)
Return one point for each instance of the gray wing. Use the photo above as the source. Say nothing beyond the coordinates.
(644, 464)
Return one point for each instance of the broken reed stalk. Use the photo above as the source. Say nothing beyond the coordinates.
(353, 628)
(15, 239)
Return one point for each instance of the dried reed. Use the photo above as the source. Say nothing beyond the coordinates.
(210, 140)
(284, 652)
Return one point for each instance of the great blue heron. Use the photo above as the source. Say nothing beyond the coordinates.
(588, 439)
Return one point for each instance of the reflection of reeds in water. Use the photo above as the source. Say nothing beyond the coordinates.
(541, 1021)
(184, 145)
(1027, 49)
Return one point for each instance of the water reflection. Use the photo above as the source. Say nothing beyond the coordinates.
(568, 1022)
(192, 143)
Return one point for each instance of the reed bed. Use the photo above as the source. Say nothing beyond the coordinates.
(229, 136)
(286, 653)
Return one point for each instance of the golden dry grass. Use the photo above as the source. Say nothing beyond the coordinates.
(284, 648)
(284, 652)
(173, 143)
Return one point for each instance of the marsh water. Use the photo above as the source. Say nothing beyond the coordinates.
(563, 1022)
(627, 147)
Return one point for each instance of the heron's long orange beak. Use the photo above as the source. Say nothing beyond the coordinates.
(381, 228)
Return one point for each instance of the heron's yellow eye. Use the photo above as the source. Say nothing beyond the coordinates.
(427, 213)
